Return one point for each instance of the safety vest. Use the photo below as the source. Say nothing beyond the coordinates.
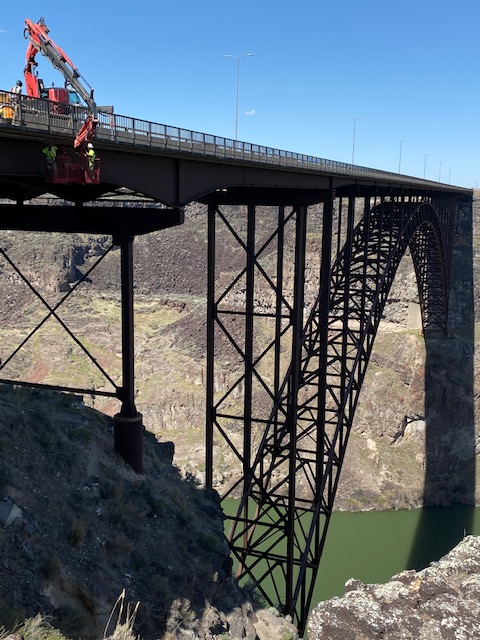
(91, 158)
(50, 152)
(7, 112)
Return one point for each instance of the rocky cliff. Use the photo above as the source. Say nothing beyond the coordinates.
(79, 530)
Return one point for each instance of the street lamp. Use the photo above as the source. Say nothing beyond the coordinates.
(237, 59)
(400, 155)
(425, 156)
(353, 144)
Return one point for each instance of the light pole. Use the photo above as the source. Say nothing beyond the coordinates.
(237, 59)
(400, 155)
(353, 143)
(425, 156)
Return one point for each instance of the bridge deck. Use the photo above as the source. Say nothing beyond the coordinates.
(175, 165)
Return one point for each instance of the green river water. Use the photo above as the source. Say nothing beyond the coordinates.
(375, 545)
(372, 546)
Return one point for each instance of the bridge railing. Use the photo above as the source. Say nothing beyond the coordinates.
(43, 115)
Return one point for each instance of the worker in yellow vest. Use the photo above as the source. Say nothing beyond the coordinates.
(50, 153)
(91, 157)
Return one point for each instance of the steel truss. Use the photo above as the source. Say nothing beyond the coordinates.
(128, 427)
(122, 213)
(53, 312)
(283, 417)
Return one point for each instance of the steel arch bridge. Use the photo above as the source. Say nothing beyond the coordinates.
(314, 250)
(286, 416)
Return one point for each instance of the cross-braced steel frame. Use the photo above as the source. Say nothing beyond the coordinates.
(294, 322)
(128, 427)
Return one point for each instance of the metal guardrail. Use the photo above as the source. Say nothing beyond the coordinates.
(43, 115)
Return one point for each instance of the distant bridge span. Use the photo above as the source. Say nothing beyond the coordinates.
(297, 351)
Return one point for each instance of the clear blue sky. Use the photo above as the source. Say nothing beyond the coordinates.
(408, 70)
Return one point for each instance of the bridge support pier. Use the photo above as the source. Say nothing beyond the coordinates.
(56, 217)
(128, 424)
(128, 439)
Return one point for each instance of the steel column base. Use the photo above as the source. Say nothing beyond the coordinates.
(128, 439)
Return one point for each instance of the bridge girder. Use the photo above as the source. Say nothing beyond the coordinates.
(175, 178)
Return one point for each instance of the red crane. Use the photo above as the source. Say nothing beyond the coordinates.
(37, 33)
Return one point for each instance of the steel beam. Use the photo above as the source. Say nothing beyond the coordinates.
(109, 220)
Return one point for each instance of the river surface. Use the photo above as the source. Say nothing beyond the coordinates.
(372, 546)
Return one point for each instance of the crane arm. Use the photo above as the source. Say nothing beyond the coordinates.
(32, 88)
(37, 34)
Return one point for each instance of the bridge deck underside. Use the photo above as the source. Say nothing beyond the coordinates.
(104, 220)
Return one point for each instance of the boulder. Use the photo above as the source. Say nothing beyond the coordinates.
(9, 512)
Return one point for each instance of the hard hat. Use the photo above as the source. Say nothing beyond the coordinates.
(90, 145)
(19, 83)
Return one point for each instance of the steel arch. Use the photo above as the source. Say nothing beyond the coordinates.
(290, 477)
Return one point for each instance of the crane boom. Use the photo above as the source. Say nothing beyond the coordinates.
(37, 33)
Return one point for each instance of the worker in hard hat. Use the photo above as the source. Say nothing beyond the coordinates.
(50, 153)
(91, 158)
(17, 91)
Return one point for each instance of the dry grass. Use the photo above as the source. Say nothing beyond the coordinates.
(126, 615)
(36, 628)
(40, 628)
